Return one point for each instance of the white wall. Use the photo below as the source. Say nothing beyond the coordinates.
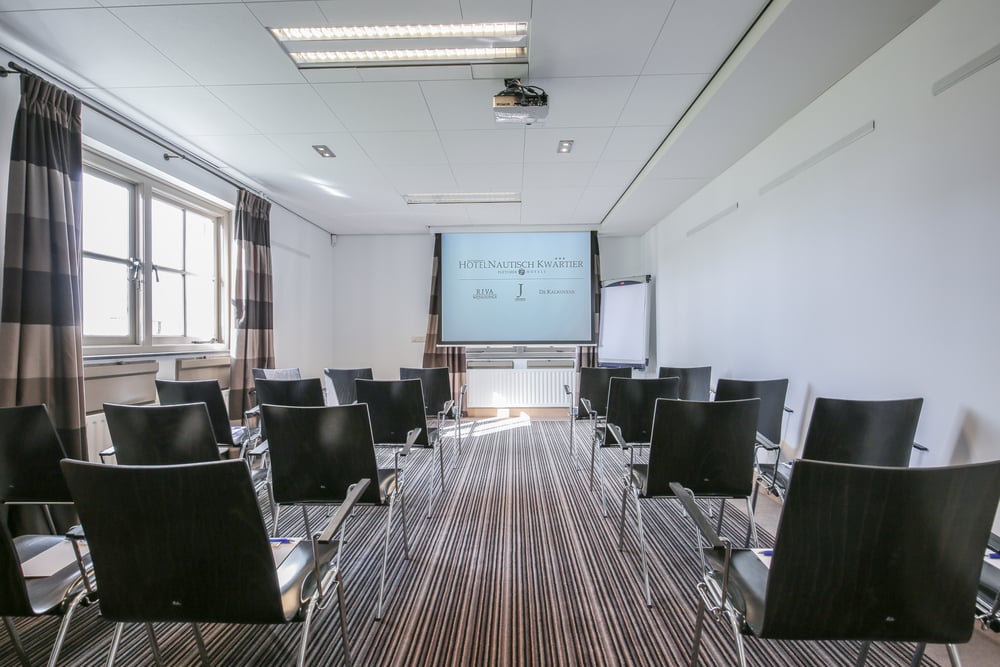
(380, 291)
(873, 274)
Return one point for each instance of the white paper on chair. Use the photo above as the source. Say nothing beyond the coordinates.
(281, 547)
(764, 555)
(52, 559)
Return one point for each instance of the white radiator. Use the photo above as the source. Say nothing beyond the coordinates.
(519, 388)
(98, 437)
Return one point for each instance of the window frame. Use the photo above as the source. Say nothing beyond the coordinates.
(145, 186)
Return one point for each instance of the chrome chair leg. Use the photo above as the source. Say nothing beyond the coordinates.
(621, 524)
(274, 519)
(918, 654)
(953, 655)
(343, 618)
(722, 511)
(64, 626)
(16, 640)
(863, 654)
(593, 452)
(642, 550)
(752, 527)
(699, 625)
(154, 645)
(116, 639)
(385, 559)
(304, 638)
(202, 650)
(740, 648)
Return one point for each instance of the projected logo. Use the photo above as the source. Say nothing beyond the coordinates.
(484, 293)
(520, 292)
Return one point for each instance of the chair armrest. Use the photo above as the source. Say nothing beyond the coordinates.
(411, 437)
(920, 448)
(252, 412)
(449, 405)
(567, 390)
(765, 443)
(788, 410)
(75, 535)
(616, 433)
(337, 520)
(586, 405)
(75, 532)
(686, 496)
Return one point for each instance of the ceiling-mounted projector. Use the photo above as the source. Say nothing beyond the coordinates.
(518, 103)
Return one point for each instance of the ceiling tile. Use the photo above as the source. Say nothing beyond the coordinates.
(489, 177)
(699, 34)
(287, 14)
(494, 214)
(416, 73)
(103, 38)
(585, 101)
(22, 5)
(483, 146)
(332, 75)
(500, 71)
(661, 100)
(280, 108)
(588, 144)
(390, 12)
(377, 107)
(570, 38)
(350, 160)
(633, 143)
(190, 36)
(567, 175)
(428, 178)
(255, 155)
(490, 10)
(594, 204)
(549, 207)
(463, 105)
(614, 174)
(187, 110)
(650, 201)
(402, 148)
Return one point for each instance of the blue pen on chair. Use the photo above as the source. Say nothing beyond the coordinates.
(767, 552)
(994, 556)
(281, 540)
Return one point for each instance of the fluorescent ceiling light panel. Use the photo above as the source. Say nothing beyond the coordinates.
(464, 198)
(495, 30)
(386, 45)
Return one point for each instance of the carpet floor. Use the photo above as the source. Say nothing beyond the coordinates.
(516, 566)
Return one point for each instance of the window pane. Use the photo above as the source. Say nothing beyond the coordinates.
(168, 304)
(106, 291)
(106, 214)
(168, 235)
(200, 244)
(201, 308)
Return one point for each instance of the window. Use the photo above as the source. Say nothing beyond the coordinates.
(154, 264)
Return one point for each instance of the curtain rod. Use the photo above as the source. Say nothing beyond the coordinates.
(173, 150)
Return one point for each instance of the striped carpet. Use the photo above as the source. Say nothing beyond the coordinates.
(516, 567)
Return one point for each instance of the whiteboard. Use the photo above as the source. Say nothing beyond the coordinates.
(624, 335)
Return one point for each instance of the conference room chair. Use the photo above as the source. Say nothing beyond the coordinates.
(695, 381)
(395, 408)
(317, 452)
(161, 434)
(177, 563)
(770, 420)
(629, 421)
(276, 374)
(705, 445)
(252, 415)
(590, 404)
(880, 568)
(878, 433)
(439, 406)
(173, 392)
(30, 451)
(307, 392)
(339, 384)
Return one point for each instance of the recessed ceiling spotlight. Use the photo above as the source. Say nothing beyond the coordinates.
(565, 146)
(324, 151)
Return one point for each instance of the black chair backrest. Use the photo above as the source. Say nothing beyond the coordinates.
(177, 543)
(876, 433)
(898, 559)
(30, 451)
(772, 401)
(695, 381)
(150, 435)
(707, 446)
(631, 402)
(14, 599)
(395, 407)
(436, 386)
(276, 374)
(172, 392)
(594, 386)
(343, 379)
(306, 393)
(316, 453)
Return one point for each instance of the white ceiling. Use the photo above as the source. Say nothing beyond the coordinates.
(620, 77)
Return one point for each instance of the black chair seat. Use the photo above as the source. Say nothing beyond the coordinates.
(747, 584)
(47, 593)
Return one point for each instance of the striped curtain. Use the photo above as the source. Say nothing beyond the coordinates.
(587, 355)
(41, 335)
(253, 324)
(434, 357)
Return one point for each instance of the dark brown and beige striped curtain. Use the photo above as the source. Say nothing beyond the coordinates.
(41, 335)
(253, 321)
(587, 356)
(434, 357)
